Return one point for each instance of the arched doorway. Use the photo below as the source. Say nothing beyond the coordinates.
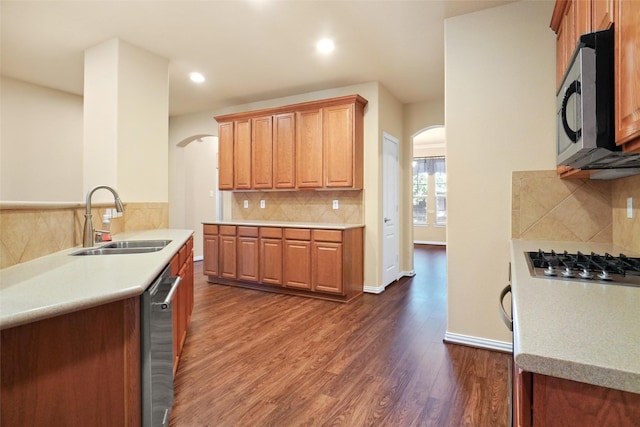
(196, 187)
(429, 186)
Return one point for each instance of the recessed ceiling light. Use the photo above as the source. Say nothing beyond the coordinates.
(196, 77)
(325, 46)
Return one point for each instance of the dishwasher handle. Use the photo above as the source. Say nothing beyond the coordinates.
(173, 282)
(508, 320)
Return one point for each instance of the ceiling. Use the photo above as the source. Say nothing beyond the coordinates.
(248, 50)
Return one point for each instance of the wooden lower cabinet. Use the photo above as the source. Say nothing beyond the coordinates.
(248, 256)
(228, 257)
(296, 264)
(312, 262)
(544, 401)
(183, 301)
(271, 261)
(211, 265)
(76, 369)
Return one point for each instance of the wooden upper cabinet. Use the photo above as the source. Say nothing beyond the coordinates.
(627, 73)
(316, 144)
(309, 152)
(225, 156)
(583, 20)
(601, 14)
(242, 154)
(570, 20)
(338, 144)
(284, 150)
(262, 152)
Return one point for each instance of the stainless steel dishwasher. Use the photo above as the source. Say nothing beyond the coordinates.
(156, 333)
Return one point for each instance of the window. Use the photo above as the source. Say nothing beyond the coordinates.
(429, 191)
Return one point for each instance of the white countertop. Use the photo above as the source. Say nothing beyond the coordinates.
(586, 332)
(284, 224)
(60, 283)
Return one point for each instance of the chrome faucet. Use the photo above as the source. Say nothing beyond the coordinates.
(87, 236)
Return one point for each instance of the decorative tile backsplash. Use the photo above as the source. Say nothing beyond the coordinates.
(545, 207)
(626, 231)
(31, 232)
(300, 206)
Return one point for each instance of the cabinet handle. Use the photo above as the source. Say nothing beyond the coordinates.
(503, 313)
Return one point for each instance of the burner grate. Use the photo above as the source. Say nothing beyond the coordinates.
(605, 268)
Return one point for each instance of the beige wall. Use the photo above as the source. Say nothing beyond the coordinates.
(40, 143)
(500, 98)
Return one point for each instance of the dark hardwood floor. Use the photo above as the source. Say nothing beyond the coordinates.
(261, 359)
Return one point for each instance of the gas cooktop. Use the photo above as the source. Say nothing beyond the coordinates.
(593, 267)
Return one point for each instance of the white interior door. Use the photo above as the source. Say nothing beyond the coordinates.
(390, 180)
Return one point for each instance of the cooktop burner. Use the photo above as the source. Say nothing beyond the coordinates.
(603, 269)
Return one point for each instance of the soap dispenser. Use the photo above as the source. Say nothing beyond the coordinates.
(106, 228)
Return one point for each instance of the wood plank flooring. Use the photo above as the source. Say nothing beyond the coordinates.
(261, 359)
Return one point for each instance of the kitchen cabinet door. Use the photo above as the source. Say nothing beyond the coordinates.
(225, 156)
(271, 261)
(262, 152)
(297, 268)
(326, 267)
(248, 256)
(284, 150)
(309, 152)
(565, 39)
(338, 144)
(210, 259)
(228, 266)
(242, 154)
(583, 20)
(627, 73)
(602, 14)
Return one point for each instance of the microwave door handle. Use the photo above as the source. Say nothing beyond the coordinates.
(574, 87)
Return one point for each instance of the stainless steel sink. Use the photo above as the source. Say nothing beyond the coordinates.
(126, 247)
(138, 244)
(115, 251)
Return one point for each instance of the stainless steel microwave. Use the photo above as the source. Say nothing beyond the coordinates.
(585, 111)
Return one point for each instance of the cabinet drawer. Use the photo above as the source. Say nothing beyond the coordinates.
(327, 235)
(297, 233)
(271, 232)
(248, 231)
(228, 230)
(210, 229)
(182, 254)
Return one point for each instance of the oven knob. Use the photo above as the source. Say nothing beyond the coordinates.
(585, 274)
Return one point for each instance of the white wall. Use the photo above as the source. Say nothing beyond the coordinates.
(126, 121)
(40, 143)
(500, 100)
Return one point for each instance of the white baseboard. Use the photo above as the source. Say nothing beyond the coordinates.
(380, 289)
(198, 258)
(426, 242)
(478, 342)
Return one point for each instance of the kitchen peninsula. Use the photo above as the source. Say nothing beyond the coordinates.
(307, 259)
(71, 338)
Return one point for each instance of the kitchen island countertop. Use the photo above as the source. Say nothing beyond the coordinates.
(581, 331)
(285, 224)
(60, 283)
